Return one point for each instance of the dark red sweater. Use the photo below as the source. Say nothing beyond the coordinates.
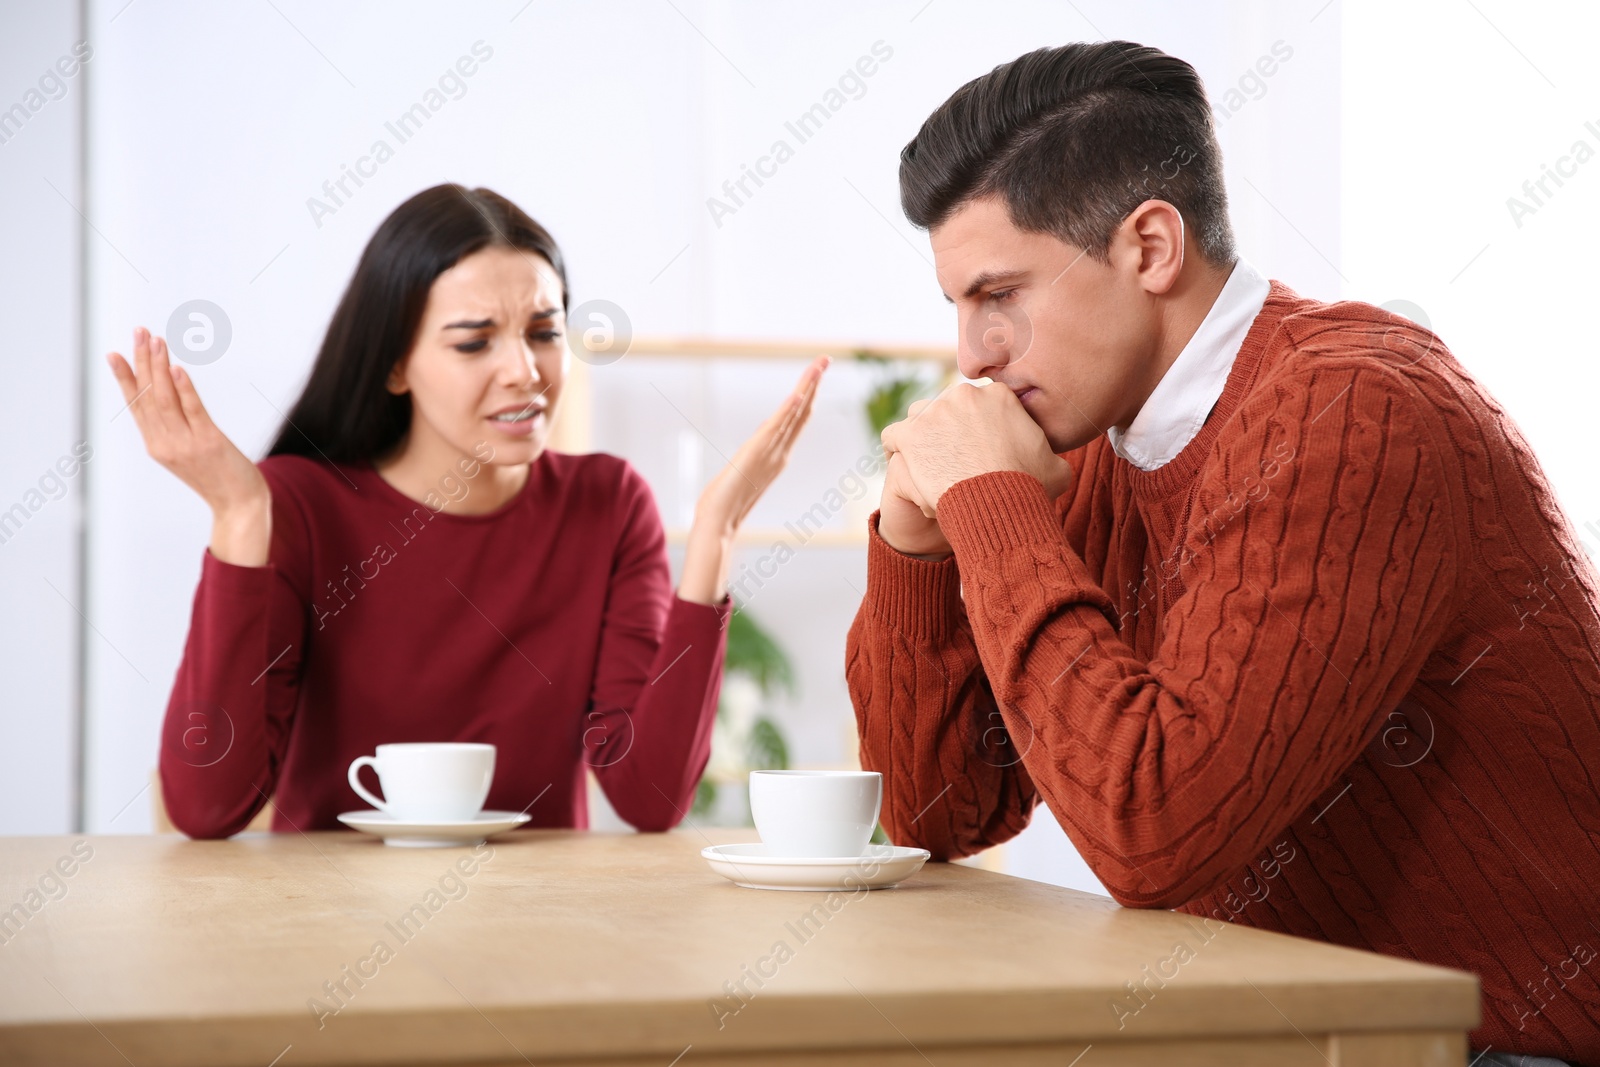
(548, 628)
(1332, 671)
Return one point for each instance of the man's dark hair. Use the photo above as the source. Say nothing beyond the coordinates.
(1073, 139)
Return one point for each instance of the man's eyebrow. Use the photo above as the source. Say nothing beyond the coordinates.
(987, 278)
(481, 324)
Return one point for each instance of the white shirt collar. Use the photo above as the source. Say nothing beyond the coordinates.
(1180, 402)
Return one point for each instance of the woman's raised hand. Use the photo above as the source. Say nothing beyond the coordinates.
(181, 437)
(734, 491)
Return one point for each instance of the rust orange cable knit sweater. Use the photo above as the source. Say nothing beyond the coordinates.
(1332, 671)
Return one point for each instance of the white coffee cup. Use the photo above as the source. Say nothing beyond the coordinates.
(445, 781)
(815, 813)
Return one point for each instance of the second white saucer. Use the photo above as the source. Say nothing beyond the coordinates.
(415, 834)
(879, 867)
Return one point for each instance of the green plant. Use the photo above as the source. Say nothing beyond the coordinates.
(888, 402)
(765, 749)
(894, 391)
(753, 653)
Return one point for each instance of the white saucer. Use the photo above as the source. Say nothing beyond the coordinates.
(879, 867)
(433, 834)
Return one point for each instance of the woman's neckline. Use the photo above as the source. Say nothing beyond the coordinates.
(385, 488)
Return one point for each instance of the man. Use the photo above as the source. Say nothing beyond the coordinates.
(1266, 599)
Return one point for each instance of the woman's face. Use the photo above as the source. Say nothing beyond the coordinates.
(491, 343)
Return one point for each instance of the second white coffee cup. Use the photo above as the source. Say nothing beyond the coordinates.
(815, 813)
(444, 781)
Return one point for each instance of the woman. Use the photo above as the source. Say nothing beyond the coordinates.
(410, 563)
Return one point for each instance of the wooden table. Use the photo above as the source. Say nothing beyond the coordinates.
(564, 947)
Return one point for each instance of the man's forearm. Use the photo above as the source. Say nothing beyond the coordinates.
(924, 712)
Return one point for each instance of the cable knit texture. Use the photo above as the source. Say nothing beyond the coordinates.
(1332, 671)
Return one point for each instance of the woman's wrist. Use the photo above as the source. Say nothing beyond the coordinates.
(241, 533)
(706, 560)
(713, 522)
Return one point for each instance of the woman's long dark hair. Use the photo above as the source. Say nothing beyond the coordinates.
(345, 414)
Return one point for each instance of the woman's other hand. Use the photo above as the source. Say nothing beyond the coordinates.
(181, 437)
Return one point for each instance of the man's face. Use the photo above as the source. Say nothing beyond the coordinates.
(1074, 338)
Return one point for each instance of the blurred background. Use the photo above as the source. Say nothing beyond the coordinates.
(215, 170)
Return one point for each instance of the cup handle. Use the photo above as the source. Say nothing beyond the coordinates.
(361, 790)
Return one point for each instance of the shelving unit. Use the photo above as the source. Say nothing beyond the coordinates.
(573, 431)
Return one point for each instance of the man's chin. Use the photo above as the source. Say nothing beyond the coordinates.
(1064, 442)
(1063, 438)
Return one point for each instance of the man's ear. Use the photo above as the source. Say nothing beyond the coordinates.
(1152, 240)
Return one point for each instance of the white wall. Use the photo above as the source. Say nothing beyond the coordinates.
(210, 126)
(1454, 109)
(40, 195)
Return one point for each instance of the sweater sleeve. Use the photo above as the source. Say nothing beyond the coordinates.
(952, 781)
(953, 778)
(647, 731)
(233, 701)
(1322, 576)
